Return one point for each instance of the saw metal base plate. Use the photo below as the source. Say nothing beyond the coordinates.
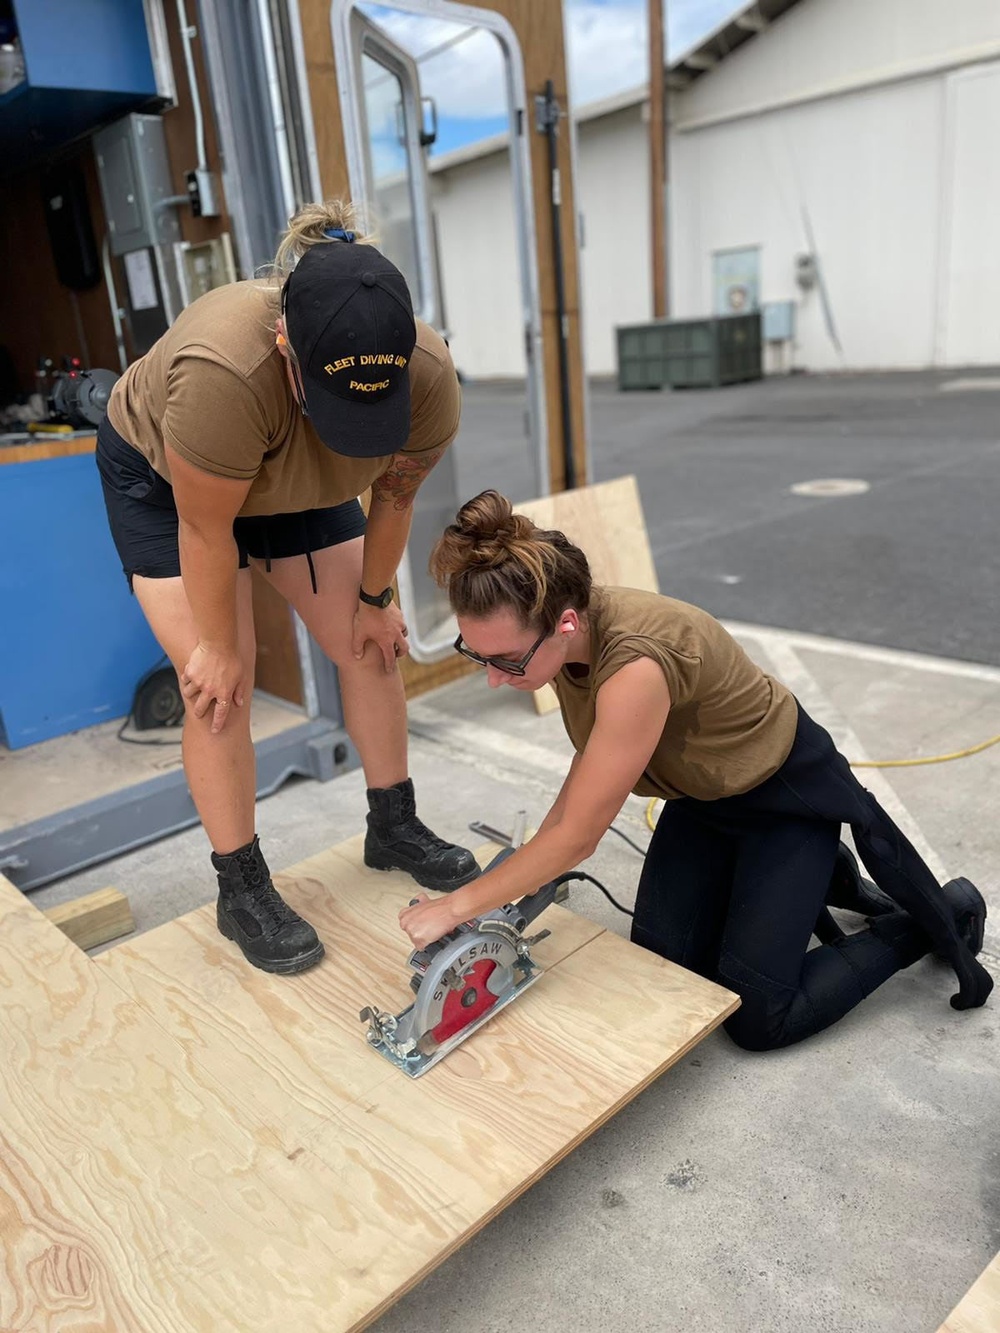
(414, 1064)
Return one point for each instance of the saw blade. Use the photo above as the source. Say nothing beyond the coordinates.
(426, 1053)
(457, 985)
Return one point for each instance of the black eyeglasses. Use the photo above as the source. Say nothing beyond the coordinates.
(501, 663)
(299, 387)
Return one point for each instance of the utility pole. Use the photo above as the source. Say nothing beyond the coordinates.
(658, 155)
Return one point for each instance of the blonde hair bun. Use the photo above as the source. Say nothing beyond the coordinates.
(309, 226)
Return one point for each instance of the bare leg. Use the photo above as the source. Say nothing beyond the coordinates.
(374, 702)
(220, 769)
(375, 717)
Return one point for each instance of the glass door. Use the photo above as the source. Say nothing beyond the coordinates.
(389, 128)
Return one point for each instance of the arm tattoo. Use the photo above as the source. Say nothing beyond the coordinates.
(401, 479)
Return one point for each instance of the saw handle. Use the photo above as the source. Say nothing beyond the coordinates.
(532, 905)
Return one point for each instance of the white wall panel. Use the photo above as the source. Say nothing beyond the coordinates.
(821, 44)
(616, 262)
(865, 172)
(969, 329)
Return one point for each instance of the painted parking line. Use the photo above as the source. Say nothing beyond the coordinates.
(867, 652)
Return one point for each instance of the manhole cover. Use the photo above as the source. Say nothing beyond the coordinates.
(829, 487)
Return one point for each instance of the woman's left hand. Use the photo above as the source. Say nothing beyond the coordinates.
(428, 919)
(383, 626)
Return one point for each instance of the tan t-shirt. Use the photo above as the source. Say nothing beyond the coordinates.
(730, 726)
(214, 388)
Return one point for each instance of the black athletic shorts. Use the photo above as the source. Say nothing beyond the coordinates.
(143, 518)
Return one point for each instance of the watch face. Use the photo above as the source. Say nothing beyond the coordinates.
(382, 599)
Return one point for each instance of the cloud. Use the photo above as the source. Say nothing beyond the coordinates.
(466, 80)
(607, 45)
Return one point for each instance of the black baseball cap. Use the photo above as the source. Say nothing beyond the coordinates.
(350, 323)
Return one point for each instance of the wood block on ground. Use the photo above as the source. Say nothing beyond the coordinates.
(94, 919)
(167, 1110)
(607, 523)
(979, 1309)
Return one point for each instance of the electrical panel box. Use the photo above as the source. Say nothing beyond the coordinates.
(136, 187)
(778, 321)
(204, 265)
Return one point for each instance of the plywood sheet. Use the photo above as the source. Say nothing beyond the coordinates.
(979, 1309)
(606, 522)
(168, 1110)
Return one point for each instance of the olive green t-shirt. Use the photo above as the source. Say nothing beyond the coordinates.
(214, 388)
(730, 725)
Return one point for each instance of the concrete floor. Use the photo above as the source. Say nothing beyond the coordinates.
(849, 1184)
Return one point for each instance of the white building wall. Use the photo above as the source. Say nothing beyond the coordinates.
(473, 205)
(900, 185)
(616, 265)
(822, 46)
(862, 175)
(968, 330)
(898, 181)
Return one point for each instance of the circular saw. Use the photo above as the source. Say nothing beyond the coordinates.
(460, 982)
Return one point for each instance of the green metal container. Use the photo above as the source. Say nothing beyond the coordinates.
(690, 353)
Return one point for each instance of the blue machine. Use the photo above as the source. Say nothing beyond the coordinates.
(75, 642)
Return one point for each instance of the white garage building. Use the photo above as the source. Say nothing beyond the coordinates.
(838, 154)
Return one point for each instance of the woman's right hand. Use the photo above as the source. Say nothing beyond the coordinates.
(213, 678)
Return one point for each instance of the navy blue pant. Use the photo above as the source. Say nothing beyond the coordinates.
(732, 889)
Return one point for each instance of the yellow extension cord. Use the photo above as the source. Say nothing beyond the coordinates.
(881, 763)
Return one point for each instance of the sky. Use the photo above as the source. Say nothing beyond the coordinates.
(606, 52)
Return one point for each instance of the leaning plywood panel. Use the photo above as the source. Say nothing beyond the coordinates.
(606, 522)
(979, 1309)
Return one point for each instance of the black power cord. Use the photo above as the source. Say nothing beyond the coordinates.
(134, 740)
(625, 838)
(582, 875)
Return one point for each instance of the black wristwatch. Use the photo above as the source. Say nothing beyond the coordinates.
(382, 600)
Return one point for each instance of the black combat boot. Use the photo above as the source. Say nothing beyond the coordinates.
(969, 908)
(398, 840)
(253, 913)
(850, 891)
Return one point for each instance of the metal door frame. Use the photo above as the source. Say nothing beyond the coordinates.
(368, 38)
(351, 94)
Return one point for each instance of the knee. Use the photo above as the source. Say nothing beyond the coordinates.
(750, 1034)
(340, 651)
(762, 1022)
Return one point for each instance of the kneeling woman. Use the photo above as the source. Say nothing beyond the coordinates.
(660, 700)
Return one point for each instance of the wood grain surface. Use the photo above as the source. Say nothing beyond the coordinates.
(979, 1309)
(47, 447)
(93, 919)
(189, 1144)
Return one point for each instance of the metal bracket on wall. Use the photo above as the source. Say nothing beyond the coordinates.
(48, 849)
